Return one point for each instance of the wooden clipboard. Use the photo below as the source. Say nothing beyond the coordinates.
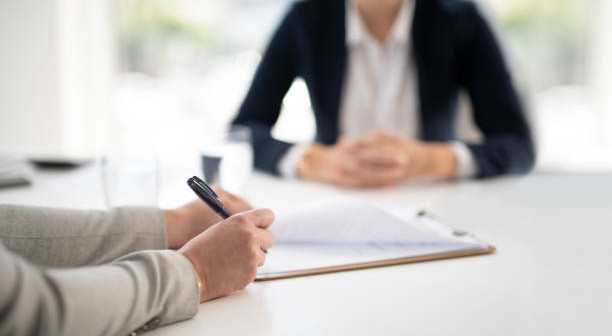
(371, 264)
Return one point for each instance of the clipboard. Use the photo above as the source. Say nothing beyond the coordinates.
(373, 264)
(466, 245)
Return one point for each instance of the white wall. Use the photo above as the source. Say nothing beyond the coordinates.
(56, 67)
(600, 69)
(29, 76)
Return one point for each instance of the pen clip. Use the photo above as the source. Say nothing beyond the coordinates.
(208, 196)
(204, 186)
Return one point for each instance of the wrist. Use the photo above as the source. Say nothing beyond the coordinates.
(199, 277)
(442, 160)
(306, 165)
(172, 219)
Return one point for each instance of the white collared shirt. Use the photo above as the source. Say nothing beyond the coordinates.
(380, 88)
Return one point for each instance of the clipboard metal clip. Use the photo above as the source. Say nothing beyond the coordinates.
(456, 232)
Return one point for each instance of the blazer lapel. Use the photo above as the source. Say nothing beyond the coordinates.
(329, 65)
(433, 55)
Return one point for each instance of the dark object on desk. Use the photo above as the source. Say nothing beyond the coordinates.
(210, 167)
(14, 172)
(14, 182)
(59, 163)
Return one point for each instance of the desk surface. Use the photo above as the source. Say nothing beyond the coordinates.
(552, 274)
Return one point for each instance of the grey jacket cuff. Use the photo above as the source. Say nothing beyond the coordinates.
(177, 290)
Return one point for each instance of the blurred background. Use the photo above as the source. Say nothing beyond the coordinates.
(163, 78)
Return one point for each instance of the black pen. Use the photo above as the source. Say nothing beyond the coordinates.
(208, 195)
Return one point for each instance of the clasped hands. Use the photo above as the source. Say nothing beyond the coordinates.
(378, 159)
(224, 253)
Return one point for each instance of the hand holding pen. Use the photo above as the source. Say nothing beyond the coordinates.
(226, 255)
(189, 220)
(208, 195)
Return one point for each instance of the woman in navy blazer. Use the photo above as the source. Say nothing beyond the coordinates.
(453, 48)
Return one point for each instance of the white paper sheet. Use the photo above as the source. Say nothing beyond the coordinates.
(347, 221)
(345, 231)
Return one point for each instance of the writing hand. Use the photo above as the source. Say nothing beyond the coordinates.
(227, 255)
(191, 219)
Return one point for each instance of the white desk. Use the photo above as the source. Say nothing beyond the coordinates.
(552, 274)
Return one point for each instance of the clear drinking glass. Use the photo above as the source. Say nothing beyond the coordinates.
(229, 162)
(130, 179)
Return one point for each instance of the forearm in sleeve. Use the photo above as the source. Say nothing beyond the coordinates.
(508, 146)
(71, 238)
(142, 290)
(262, 104)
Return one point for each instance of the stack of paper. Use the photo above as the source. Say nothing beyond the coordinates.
(346, 231)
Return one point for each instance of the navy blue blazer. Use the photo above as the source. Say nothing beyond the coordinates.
(453, 48)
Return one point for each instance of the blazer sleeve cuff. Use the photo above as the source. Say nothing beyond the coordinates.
(167, 284)
(466, 163)
(137, 292)
(287, 165)
(183, 301)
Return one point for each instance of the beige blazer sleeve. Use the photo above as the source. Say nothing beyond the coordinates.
(140, 290)
(69, 238)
